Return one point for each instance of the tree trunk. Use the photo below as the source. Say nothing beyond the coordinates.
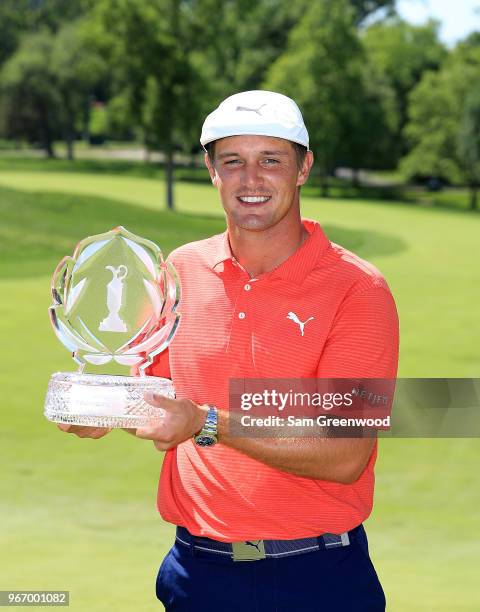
(69, 138)
(324, 185)
(473, 197)
(48, 142)
(69, 125)
(355, 177)
(46, 133)
(169, 178)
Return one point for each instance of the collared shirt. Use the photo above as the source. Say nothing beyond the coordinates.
(234, 326)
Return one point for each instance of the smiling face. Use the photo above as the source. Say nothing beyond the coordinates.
(258, 178)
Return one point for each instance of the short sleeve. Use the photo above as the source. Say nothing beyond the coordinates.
(364, 337)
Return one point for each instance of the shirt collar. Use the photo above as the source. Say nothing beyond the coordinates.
(296, 267)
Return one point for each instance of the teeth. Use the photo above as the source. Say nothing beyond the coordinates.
(254, 199)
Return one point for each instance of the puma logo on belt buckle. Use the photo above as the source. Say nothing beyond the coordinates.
(248, 550)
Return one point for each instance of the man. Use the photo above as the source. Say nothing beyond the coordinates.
(266, 524)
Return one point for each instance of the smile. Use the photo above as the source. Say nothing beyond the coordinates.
(254, 199)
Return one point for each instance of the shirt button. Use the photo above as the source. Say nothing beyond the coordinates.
(247, 287)
(241, 315)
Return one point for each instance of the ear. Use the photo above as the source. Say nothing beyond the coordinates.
(305, 170)
(211, 169)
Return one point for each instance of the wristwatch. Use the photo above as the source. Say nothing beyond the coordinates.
(208, 434)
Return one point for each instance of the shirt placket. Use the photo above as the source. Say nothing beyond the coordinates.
(240, 345)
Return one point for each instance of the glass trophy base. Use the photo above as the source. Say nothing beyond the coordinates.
(101, 400)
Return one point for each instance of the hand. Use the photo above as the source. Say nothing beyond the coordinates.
(181, 420)
(85, 432)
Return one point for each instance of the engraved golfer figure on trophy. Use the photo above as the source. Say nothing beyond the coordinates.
(140, 302)
(113, 322)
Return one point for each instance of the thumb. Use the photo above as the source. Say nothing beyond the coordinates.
(160, 401)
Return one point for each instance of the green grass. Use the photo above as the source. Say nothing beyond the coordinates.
(80, 515)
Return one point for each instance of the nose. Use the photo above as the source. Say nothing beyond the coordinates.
(252, 177)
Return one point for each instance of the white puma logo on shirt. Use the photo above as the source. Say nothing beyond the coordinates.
(293, 317)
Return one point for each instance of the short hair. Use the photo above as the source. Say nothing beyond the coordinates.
(300, 152)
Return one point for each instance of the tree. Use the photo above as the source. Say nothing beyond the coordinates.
(469, 143)
(442, 128)
(11, 24)
(76, 68)
(20, 16)
(366, 8)
(149, 48)
(370, 126)
(240, 39)
(323, 69)
(402, 52)
(46, 86)
(30, 102)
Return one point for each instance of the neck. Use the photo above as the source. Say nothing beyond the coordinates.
(263, 251)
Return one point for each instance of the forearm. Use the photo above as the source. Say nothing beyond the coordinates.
(337, 459)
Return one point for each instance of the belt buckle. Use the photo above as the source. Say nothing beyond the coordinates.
(248, 550)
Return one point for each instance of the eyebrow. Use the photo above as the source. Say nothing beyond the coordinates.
(233, 154)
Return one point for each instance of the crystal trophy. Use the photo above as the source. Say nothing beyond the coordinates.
(114, 302)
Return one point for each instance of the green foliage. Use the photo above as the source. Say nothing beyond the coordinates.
(469, 135)
(20, 16)
(365, 8)
(30, 102)
(11, 25)
(240, 39)
(324, 70)
(46, 84)
(371, 123)
(442, 128)
(432, 128)
(119, 124)
(316, 71)
(402, 52)
(77, 68)
(148, 54)
(160, 66)
(98, 124)
(469, 141)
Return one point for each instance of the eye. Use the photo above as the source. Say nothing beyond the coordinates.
(270, 161)
(232, 162)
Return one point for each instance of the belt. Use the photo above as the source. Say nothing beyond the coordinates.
(253, 550)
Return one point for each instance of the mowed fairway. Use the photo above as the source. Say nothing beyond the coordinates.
(80, 515)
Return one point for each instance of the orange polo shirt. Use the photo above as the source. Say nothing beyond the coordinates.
(233, 326)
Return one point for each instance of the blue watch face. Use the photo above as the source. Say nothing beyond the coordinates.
(205, 441)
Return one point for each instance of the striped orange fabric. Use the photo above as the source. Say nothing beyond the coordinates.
(233, 326)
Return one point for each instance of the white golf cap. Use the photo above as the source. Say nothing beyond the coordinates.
(256, 113)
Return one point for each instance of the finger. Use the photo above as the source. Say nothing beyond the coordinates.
(84, 432)
(100, 433)
(160, 401)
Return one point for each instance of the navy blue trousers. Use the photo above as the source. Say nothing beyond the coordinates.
(332, 580)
